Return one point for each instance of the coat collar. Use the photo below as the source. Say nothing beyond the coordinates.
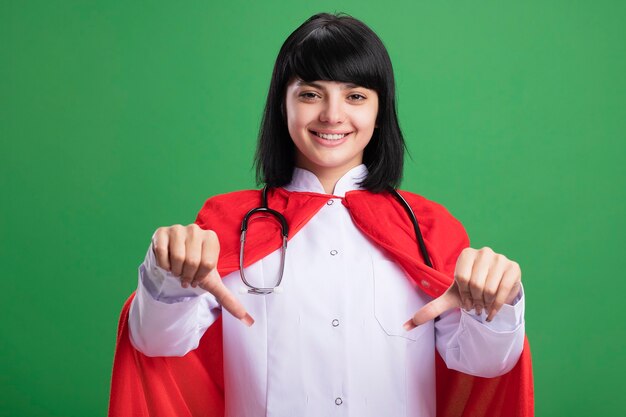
(305, 181)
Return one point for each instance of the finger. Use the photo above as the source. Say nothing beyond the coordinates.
(213, 284)
(508, 285)
(496, 272)
(517, 285)
(210, 253)
(480, 269)
(160, 242)
(462, 275)
(193, 254)
(449, 300)
(177, 249)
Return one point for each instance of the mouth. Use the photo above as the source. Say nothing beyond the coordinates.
(332, 137)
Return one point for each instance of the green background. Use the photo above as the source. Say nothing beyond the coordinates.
(118, 117)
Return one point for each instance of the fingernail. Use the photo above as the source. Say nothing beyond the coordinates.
(409, 325)
(184, 284)
(247, 320)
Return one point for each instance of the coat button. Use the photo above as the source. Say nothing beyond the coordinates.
(330, 202)
(333, 252)
(338, 401)
(335, 323)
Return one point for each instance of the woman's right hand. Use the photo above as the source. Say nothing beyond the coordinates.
(191, 254)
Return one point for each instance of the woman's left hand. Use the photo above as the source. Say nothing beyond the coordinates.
(483, 280)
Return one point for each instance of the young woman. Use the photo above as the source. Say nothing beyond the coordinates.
(356, 315)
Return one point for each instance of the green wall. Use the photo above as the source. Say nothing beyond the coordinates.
(117, 117)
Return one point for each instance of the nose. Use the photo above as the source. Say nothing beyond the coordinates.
(332, 111)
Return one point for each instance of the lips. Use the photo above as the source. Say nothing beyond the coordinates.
(330, 140)
(330, 136)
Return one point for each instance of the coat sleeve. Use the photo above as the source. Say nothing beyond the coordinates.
(166, 319)
(465, 340)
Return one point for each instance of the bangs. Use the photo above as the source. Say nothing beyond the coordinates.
(331, 53)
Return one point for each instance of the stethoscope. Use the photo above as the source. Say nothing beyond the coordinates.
(251, 289)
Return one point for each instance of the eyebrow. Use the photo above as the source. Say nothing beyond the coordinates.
(344, 86)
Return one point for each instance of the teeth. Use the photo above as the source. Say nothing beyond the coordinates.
(330, 137)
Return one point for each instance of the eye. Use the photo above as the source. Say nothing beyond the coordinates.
(356, 97)
(309, 95)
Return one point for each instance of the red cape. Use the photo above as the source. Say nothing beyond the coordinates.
(193, 385)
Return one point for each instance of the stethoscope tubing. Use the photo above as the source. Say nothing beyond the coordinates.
(285, 236)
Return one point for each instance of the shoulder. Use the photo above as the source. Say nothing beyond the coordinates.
(233, 197)
(435, 217)
(381, 214)
(227, 206)
(443, 232)
(427, 207)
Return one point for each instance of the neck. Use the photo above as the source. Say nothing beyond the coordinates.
(329, 180)
(328, 177)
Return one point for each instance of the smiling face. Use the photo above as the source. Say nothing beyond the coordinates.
(330, 123)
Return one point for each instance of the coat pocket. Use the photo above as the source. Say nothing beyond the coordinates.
(396, 300)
